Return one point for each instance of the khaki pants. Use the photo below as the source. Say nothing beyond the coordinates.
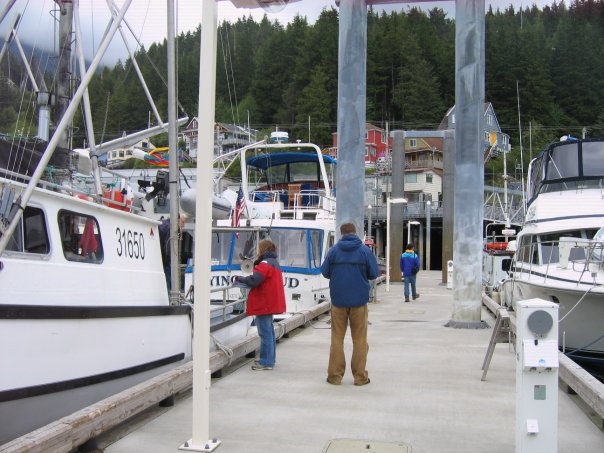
(340, 317)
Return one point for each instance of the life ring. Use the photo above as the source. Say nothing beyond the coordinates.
(497, 245)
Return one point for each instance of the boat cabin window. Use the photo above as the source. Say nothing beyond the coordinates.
(527, 250)
(296, 247)
(80, 237)
(304, 171)
(563, 163)
(31, 235)
(593, 159)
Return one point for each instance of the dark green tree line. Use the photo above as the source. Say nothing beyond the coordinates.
(543, 68)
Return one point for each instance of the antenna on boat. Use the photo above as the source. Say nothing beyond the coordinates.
(521, 151)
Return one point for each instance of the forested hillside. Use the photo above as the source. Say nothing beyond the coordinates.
(286, 75)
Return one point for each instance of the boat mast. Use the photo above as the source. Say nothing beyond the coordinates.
(173, 160)
(65, 71)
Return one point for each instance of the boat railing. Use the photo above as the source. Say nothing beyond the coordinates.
(271, 196)
(227, 303)
(298, 203)
(119, 202)
(306, 201)
(577, 254)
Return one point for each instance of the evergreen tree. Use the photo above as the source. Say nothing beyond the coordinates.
(314, 104)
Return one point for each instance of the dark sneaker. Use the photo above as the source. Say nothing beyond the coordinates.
(416, 296)
(258, 367)
(406, 299)
(363, 383)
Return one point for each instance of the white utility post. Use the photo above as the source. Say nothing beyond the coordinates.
(428, 233)
(536, 376)
(200, 440)
(390, 201)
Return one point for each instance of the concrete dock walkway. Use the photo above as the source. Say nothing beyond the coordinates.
(425, 391)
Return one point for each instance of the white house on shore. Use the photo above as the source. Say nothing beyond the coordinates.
(227, 137)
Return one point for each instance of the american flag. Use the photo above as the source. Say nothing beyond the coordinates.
(239, 207)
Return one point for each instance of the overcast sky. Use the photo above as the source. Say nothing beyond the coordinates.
(147, 18)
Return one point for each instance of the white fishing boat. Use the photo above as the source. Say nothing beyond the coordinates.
(559, 251)
(84, 307)
(287, 193)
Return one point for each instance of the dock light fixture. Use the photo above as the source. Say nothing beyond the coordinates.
(409, 223)
(390, 201)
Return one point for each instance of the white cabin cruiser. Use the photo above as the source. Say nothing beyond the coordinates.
(287, 193)
(559, 254)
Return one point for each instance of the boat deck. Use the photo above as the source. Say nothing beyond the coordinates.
(425, 392)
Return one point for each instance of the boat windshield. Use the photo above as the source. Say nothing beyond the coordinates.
(278, 170)
(568, 166)
(298, 249)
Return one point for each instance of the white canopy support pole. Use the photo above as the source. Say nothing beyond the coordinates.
(94, 157)
(203, 234)
(19, 206)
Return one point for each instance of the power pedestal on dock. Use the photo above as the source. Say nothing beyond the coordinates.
(536, 377)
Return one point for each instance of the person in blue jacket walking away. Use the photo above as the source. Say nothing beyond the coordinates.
(349, 265)
(410, 268)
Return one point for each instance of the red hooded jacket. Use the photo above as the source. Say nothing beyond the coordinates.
(267, 296)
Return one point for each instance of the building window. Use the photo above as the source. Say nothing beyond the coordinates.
(366, 150)
(384, 137)
(489, 120)
(410, 177)
(428, 178)
(412, 143)
(486, 136)
(453, 118)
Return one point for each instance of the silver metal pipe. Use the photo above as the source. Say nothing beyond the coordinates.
(173, 158)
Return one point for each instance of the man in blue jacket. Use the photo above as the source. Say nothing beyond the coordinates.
(409, 268)
(349, 265)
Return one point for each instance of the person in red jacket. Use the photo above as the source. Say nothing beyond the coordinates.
(265, 299)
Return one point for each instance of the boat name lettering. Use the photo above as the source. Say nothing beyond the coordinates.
(225, 280)
(130, 244)
(290, 282)
(222, 280)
